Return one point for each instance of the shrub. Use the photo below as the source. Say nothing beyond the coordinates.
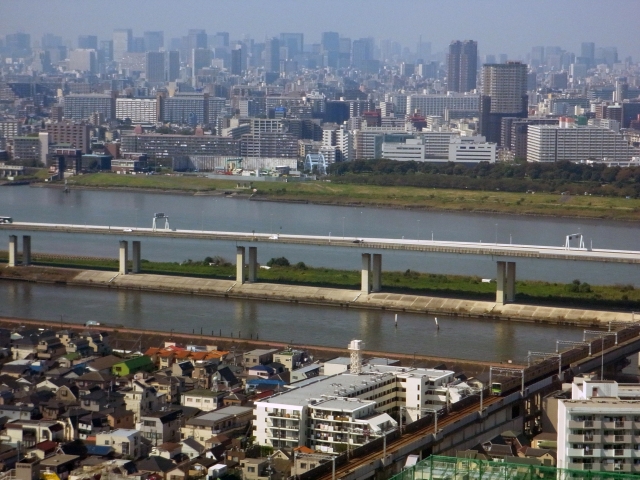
(278, 262)
(301, 266)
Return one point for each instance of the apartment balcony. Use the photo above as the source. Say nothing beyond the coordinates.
(616, 439)
(616, 467)
(584, 438)
(584, 466)
(597, 424)
(289, 438)
(277, 427)
(617, 452)
(617, 424)
(584, 452)
(284, 415)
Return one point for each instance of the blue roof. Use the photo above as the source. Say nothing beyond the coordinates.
(100, 450)
(264, 381)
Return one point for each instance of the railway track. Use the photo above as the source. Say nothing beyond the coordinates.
(407, 439)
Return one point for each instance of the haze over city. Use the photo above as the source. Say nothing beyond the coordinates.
(499, 26)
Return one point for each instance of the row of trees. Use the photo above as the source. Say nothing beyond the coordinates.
(513, 177)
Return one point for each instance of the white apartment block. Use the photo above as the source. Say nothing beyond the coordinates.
(348, 408)
(550, 143)
(433, 104)
(598, 430)
(466, 150)
(441, 146)
(139, 110)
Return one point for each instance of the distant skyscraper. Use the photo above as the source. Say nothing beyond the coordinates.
(50, 40)
(18, 42)
(537, 56)
(173, 65)
(236, 60)
(88, 42)
(138, 45)
(122, 43)
(220, 39)
(272, 56)
(294, 42)
(462, 66)
(330, 41)
(106, 50)
(504, 94)
(588, 52)
(154, 70)
(361, 52)
(153, 41)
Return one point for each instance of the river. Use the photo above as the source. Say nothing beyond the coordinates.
(218, 213)
(457, 337)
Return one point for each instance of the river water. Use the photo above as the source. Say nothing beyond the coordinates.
(331, 326)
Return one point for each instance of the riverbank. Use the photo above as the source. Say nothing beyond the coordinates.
(134, 339)
(575, 294)
(313, 295)
(329, 193)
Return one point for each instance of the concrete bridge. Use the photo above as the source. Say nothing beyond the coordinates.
(505, 255)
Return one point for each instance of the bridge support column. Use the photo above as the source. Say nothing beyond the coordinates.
(500, 278)
(377, 272)
(511, 282)
(365, 285)
(135, 254)
(240, 265)
(13, 250)
(124, 257)
(26, 250)
(253, 264)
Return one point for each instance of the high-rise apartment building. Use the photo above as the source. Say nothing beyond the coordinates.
(172, 65)
(76, 135)
(122, 43)
(504, 94)
(462, 65)
(88, 42)
(138, 110)
(83, 60)
(81, 106)
(272, 55)
(155, 66)
(153, 41)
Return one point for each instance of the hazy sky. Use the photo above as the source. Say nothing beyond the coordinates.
(499, 26)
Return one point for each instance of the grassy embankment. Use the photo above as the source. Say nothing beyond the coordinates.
(612, 208)
(456, 286)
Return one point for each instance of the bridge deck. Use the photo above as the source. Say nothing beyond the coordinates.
(464, 248)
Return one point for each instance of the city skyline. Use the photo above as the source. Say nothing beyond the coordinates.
(500, 30)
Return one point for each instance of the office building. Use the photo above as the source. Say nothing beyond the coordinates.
(294, 44)
(588, 52)
(330, 43)
(106, 50)
(89, 42)
(18, 43)
(462, 64)
(433, 104)
(236, 60)
(272, 56)
(73, 134)
(172, 65)
(138, 110)
(26, 151)
(568, 142)
(122, 43)
(81, 106)
(219, 40)
(504, 94)
(153, 41)
(155, 66)
(168, 146)
(10, 128)
(83, 60)
(362, 53)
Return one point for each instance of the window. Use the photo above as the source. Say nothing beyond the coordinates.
(149, 423)
(251, 469)
(303, 465)
(106, 442)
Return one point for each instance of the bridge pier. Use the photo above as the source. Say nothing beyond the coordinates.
(377, 272)
(253, 264)
(124, 257)
(505, 282)
(13, 250)
(26, 250)
(240, 265)
(365, 285)
(135, 254)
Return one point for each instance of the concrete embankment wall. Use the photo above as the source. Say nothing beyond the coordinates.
(393, 302)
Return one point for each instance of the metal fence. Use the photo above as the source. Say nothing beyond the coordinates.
(452, 468)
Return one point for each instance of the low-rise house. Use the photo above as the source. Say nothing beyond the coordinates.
(182, 368)
(98, 400)
(157, 465)
(8, 456)
(291, 358)
(160, 427)
(133, 365)
(140, 398)
(60, 464)
(91, 424)
(259, 356)
(125, 442)
(103, 364)
(234, 399)
(80, 346)
(17, 368)
(170, 386)
(90, 380)
(50, 348)
(120, 418)
(18, 412)
(98, 341)
(30, 432)
(192, 448)
(205, 400)
(225, 379)
(308, 371)
(169, 450)
(204, 426)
